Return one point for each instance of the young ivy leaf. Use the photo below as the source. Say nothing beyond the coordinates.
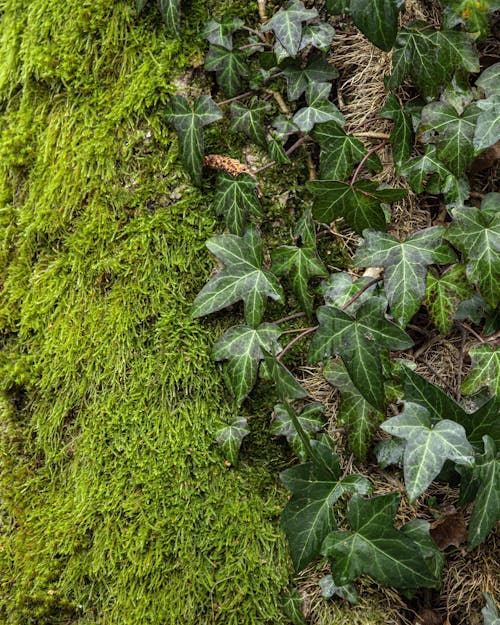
(171, 13)
(487, 131)
(404, 558)
(477, 424)
(236, 198)
(357, 416)
(319, 35)
(241, 347)
(242, 278)
(308, 517)
(476, 233)
(486, 512)
(300, 264)
(298, 78)
(359, 204)
(189, 126)
(377, 20)
(340, 152)
(485, 370)
(419, 167)
(443, 295)
(310, 419)
(319, 108)
(402, 134)
(250, 121)
(454, 144)
(230, 438)
(359, 342)
(229, 67)
(220, 33)
(287, 25)
(428, 446)
(405, 266)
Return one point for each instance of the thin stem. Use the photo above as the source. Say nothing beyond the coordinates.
(290, 150)
(365, 158)
(255, 44)
(237, 97)
(289, 318)
(300, 430)
(371, 135)
(294, 330)
(296, 340)
(472, 331)
(361, 291)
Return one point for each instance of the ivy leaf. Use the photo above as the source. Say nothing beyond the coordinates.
(241, 347)
(301, 264)
(298, 78)
(308, 517)
(230, 438)
(490, 611)
(359, 342)
(377, 20)
(488, 123)
(287, 386)
(220, 33)
(428, 446)
(356, 415)
(443, 295)
(292, 608)
(486, 512)
(476, 233)
(402, 134)
(489, 81)
(454, 144)
(359, 204)
(339, 288)
(249, 121)
(319, 108)
(310, 419)
(277, 152)
(329, 589)
(483, 421)
(189, 126)
(389, 451)
(405, 266)
(287, 25)
(418, 168)
(319, 35)
(339, 152)
(241, 278)
(474, 15)
(405, 558)
(236, 198)
(485, 370)
(171, 13)
(229, 66)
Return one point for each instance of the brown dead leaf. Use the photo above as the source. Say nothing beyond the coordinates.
(487, 159)
(450, 529)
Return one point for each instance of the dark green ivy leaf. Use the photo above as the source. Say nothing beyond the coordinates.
(171, 13)
(249, 120)
(418, 168)
(402, 134)
(356, 415)
(405, 558)
(287, 386)
(377, 20)
(220, 33)
(277, 151)
(298, 78)
(443, 295)
(405, 266)
(359, 343)
(308, 516)
(292, 607)
(476, 233)
(230, 438)
(428, 446)
(189, 126)
(455, 133)
(319, 108)
(359, 204)
(486, 512)
(242, 278)
(311, 419)
(229, 67)
(287, 25)
(485, 370)
(236, 198)
(241, 347)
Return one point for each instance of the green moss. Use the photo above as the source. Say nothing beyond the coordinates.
(117, 505)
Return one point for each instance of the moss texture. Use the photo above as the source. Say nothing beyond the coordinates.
(117, 507)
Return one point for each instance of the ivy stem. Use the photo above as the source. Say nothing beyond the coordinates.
(291, 149)
(361, 291)
(253, 45)
(472, 331)
(294, 330)
(300, 430)
(289, 318)
(365, 158)
(237, 97)
(372, 135)
(296, 340)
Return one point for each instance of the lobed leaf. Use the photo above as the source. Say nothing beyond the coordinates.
(230, 438)
(319, 108)
(311, 420)
(287, 25)
(229, 67)
(485, 370)
(236, 198)
(249, 120)
(443, 295)
(298, 77)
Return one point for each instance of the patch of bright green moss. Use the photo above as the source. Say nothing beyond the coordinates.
(117, 507)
